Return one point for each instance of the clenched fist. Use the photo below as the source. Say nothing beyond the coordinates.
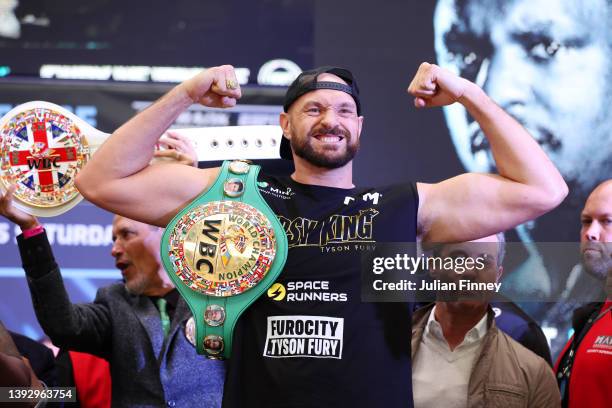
(215, 87)
(435, 86)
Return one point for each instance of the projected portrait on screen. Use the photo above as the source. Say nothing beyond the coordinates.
(547, 63)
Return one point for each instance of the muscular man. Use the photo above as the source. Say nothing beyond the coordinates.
(317, 346)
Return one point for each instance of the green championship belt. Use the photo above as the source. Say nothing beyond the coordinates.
(222, 252)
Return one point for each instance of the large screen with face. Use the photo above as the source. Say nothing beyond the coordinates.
(548, 64)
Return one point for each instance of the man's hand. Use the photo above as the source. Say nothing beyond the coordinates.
(435, 86)
(215, 87)
(15, 370)
(13, 214)
(119, 177)
(178, 148)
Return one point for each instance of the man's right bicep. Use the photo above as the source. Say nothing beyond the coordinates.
(155, 194)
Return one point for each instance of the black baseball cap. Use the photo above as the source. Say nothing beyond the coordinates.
(307, 82)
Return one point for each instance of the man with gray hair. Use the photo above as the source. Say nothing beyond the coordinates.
(139, 325)
(460, 357)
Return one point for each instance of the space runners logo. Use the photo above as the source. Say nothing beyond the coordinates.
(304, 336)
(277, 291)
(305, 291)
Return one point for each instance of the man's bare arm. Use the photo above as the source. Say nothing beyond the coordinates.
(471, 206)
(15, 370)
(119, 177)
(7, 345)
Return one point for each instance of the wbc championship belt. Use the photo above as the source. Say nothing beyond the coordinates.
(222, 252)
(43, 147)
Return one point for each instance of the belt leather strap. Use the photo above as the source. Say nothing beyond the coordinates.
(222, 252)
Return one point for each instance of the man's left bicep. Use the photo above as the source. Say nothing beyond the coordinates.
(472, 206)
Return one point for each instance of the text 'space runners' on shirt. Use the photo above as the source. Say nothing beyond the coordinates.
(310, 341)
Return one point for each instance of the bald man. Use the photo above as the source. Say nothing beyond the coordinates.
(583, 370)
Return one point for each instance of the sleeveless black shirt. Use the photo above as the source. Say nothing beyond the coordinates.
(310, 341)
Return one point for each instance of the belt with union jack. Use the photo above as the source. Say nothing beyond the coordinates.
(222, 252)
(43, 147)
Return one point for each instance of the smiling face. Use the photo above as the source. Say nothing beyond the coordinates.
(136, 252)
(547, 64)
(323, 126)
(596, 233)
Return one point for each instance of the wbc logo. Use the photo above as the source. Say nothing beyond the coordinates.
(41, 151)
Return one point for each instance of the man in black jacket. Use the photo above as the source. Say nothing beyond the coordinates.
(152, 363)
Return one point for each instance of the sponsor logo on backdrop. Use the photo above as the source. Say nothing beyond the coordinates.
(91, 235)
(280, 72)
(277, 72)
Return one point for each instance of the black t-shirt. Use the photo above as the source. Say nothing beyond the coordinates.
(310, 341)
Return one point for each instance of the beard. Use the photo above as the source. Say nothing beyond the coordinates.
(136, 285)
(303, 148)
(598, 266)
